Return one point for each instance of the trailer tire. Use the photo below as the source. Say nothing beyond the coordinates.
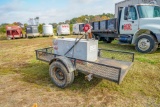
(59, 75)
(146, 44)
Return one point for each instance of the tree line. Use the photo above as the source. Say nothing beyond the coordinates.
(81, 19)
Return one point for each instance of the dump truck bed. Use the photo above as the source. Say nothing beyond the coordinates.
(111, 65)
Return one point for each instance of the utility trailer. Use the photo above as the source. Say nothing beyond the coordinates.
(63, 29)
(32, 31)
(110, 65)
(13, 31)
(76, 29)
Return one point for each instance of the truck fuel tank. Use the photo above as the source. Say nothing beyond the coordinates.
(125, 39)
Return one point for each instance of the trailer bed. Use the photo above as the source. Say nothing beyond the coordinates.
(111, 65)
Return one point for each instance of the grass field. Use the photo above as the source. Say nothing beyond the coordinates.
(24, 80)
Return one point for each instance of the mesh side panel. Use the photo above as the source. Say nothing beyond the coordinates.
(128, 57)
(45, 54)
(104, 71)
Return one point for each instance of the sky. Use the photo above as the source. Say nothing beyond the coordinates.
(52, 11)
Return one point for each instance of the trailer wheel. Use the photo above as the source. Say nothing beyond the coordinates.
(59, 75)
(146, 44)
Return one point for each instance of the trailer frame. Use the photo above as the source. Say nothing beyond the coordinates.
(111, 67)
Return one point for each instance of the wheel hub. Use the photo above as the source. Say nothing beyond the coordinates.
(59, 74)
(144, 44)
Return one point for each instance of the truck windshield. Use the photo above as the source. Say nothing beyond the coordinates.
(149, 11)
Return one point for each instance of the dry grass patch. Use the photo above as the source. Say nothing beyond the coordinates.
(25, 81)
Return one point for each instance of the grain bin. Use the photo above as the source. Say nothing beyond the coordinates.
(32, 31)
(47, 30)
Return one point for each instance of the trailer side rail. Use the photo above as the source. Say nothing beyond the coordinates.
(102, 70)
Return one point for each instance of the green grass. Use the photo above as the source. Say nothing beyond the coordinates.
(141, 82)
(3, 37)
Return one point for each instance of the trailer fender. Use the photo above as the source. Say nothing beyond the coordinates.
(66, 62)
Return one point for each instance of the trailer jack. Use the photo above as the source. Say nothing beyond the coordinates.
(89, 77)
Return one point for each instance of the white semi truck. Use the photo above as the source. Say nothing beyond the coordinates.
(135, 24)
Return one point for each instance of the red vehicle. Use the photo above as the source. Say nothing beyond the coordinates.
(13, 32)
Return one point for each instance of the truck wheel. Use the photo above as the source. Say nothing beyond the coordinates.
(146, 44)
(59, 75)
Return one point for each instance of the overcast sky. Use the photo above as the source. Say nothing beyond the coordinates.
(52, 11)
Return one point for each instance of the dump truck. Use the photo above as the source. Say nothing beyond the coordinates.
(13, 31)
(138, 25)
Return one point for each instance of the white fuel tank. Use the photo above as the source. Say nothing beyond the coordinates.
(84, 50)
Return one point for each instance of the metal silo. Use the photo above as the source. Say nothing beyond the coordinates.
(47, 30)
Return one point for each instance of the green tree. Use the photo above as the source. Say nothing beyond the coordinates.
(71, 28)
(40, 28)
(3, 28)
(67, 22)
(54, 25)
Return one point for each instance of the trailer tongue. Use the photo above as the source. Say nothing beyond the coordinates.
(72, 55)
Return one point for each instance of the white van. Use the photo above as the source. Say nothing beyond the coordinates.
(76, 29)
(63, 29)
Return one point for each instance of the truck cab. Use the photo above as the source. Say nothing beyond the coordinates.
(140, 25)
